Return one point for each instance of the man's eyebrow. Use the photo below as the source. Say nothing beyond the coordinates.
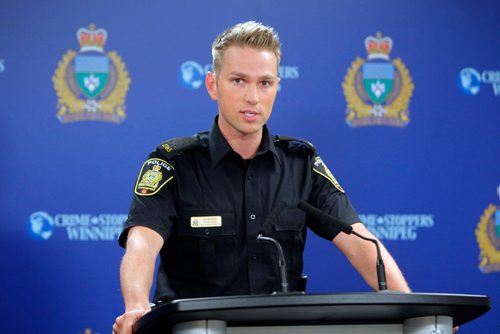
(269, 77)
(265, 77)
(239, 74)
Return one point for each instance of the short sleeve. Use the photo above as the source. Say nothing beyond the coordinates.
(328, 196)
(152, 203)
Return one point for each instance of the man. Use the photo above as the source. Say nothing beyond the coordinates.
(200, 202)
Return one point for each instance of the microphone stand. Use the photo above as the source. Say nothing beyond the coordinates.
(347, 229)
(382, 281)
(281, 261)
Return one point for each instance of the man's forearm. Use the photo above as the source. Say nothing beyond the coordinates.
(395, 279)
(363, 257)
(136, 277)
(137, 268)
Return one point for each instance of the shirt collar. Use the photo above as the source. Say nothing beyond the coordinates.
(219, 146)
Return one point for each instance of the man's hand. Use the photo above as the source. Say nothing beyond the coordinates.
(123, 324)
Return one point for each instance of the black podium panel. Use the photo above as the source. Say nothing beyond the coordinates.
(314, 309)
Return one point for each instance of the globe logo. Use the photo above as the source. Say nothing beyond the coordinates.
(40, 225)
(469, 81)
(191, 75)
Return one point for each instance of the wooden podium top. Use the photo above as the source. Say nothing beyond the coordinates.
(314, 309)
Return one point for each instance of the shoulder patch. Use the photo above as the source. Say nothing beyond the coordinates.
(295, 144)
(321, 168)
(178, 145)
(155, 173)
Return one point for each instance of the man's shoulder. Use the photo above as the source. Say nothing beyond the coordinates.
(180, 145)
(294, 144)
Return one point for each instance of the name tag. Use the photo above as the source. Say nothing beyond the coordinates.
(207, 221)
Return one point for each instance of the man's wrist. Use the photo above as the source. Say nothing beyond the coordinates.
(139, 308)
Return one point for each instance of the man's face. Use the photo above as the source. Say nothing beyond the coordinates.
(245, 89)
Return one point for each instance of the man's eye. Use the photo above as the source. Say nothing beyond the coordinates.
(266, 83)
(237, 81)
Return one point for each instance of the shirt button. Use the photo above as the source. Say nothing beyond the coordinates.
(250, 177)
(252, 216)
(207, 231)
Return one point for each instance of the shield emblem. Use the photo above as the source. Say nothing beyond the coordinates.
(91, 74)
(378, 79)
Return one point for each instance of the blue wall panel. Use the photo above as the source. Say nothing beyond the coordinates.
(426, 187)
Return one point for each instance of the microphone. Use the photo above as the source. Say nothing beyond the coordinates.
(347, 229)
(266, 229)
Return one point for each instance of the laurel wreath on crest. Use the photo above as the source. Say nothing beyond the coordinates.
(397, 109)
(72, 104)
(66, 98)
(488, 250)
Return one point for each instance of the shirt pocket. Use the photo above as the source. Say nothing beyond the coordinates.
(209, 250)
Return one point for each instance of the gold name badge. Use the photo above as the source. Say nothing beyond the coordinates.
(207, 221)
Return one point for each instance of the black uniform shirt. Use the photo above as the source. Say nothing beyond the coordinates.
(209, 205)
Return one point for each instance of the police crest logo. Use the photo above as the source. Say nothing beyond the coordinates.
(377, 89)
(321, 168)
(155, 173)
(91, 85)
(151, 178)
(488, 238)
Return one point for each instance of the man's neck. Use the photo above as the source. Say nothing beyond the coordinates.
(246, 145)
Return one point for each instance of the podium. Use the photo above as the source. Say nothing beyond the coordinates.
(348, 313)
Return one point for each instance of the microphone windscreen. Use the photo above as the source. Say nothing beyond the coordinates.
(322, 216)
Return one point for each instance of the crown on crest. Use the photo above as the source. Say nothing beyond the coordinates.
(378, 47)
(91, 39)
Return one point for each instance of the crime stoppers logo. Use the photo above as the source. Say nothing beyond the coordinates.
(76, 227)
(377, 89)
(40, 226)
(91, 85)
(191, 75)
(403, 227)
(488, 238)
(469, 81)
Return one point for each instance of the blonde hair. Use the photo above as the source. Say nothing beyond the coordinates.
(252, 34)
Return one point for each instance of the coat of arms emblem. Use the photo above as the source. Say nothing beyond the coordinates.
(488, 238)
(378, 89)
(91, 85)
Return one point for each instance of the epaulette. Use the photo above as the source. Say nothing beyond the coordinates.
(296, 145)
(180, 145)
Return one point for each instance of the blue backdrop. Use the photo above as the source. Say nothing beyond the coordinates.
(411, 130)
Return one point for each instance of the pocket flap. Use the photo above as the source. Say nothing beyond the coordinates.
(291, 220)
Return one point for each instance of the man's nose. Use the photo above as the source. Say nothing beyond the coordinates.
(252, 94)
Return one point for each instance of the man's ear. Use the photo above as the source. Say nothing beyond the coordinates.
(211, 85)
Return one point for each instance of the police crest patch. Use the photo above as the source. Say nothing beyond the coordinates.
(488, 239)
(155, 173)
(378, 90)
(91, 85)
(320, 168)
